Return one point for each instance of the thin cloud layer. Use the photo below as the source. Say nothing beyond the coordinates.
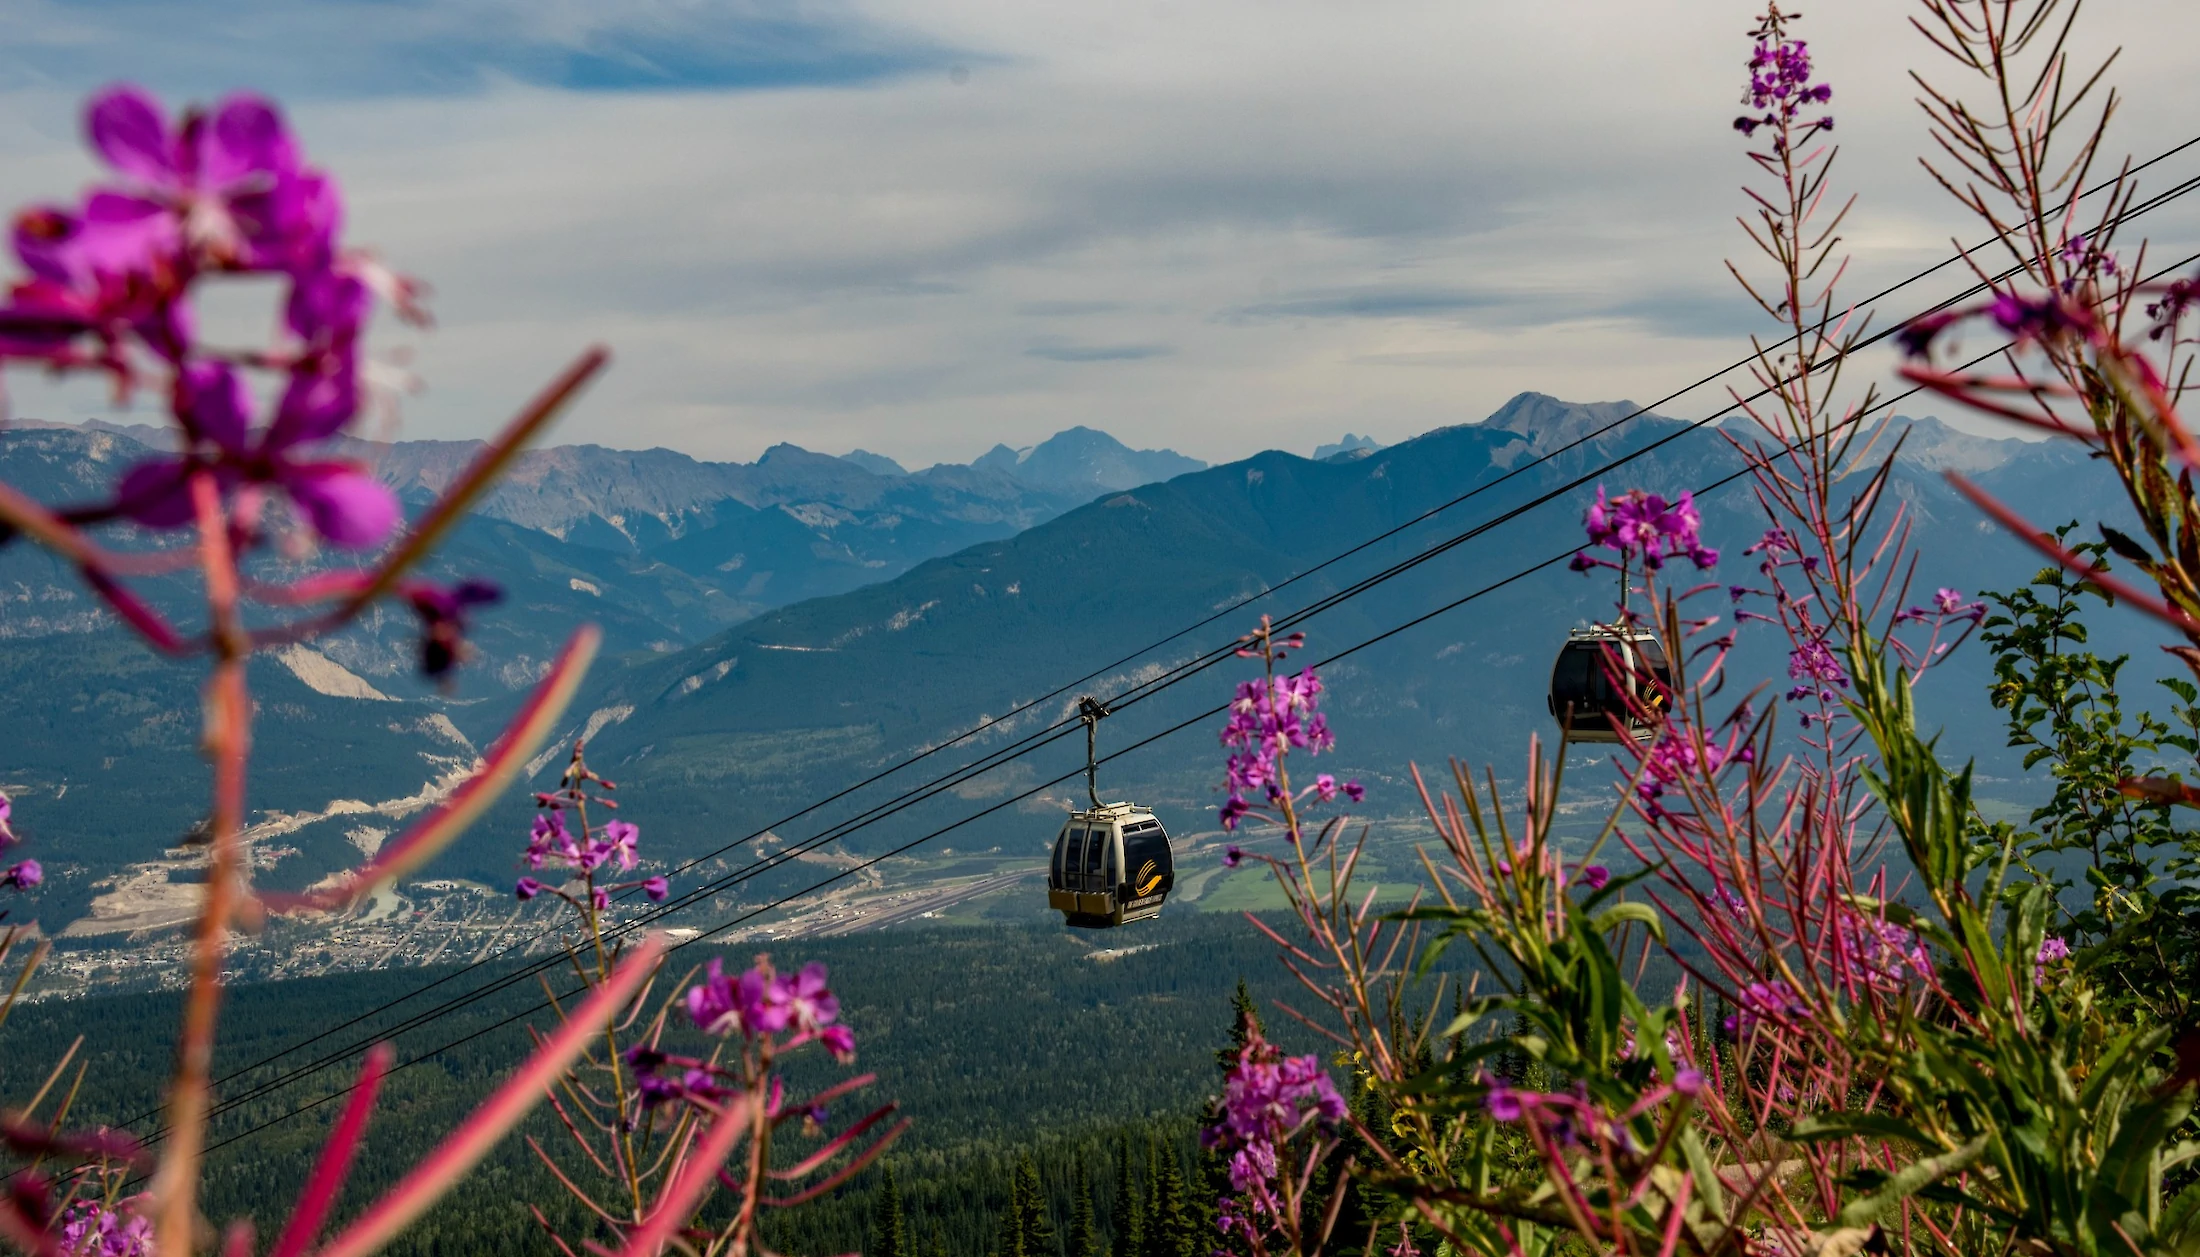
(381, 48)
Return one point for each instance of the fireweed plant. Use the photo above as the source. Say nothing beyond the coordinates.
(109, 286)
(1880, 1037)
(2101, 354)
(657, 1133)
(1279, 1118)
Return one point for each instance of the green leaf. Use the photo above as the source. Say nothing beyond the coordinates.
(1842, 1125)
(1620, 913)
(1911, 1179)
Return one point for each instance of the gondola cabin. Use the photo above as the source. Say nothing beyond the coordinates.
(1111, 867)
(1610, 678)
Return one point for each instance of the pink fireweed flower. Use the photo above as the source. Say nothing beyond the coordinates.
(2086, 260)
(547, 839)
(550, 842)
(212, 191)
(1780, 88)
(661, 1078)
(1947, 604)
(1819, 670)
(228, 185)
(2040, 318)
(2026, 319)
(621, 836)
(1674, 757)
(1267, 1100)
(24, 874)
(1645, 525)
(2052, 951)
(443, 612)
(724, 1005)
(810, 1005)
(1269, 718)
(95, 1231)
(1880, 953)
(762, 1003)
(1763, 1002)
(551, 845)
(1776, 542)
(342, 502)
(2168, 310)
(1502, 1101)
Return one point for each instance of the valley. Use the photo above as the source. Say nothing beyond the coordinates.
(727, 721)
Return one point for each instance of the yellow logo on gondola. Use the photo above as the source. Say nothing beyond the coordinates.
(1147, 879)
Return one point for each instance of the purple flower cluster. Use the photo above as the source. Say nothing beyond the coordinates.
(1763, 1002)
(2168, 309)
(1880, 953)
(1269, 718)
(2026, 319)
(92, 1230)
(1818, 670)
(109, 282)
(551, 844)
(2086, 260)
(442, 611)
(1645, 525)
(761, 1003)
(1267, 1099)
(23, 874)
(1572, 1120)
(1675, 756)
(1947, 604)
(1780, 89)
(2052, 951)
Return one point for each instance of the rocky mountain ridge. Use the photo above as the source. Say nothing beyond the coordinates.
(794, 641)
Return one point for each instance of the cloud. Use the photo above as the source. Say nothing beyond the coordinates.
(1368, 303)
(1097, 353)
(382, 48)
(791, 221)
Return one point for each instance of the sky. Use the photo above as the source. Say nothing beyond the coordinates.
(923, 228)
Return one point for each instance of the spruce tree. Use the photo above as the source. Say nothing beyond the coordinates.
(1168, 1226)
(889, 1227)
(1212, 1176)
(1011, 1242)
(1126, 1214)
(1244, 1020)
(1034, 1221)
(1458, 1069)
(939, 1243)
(1084, 1235)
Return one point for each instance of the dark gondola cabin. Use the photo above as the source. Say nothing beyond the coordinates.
(1609, 678)
(1111, 867)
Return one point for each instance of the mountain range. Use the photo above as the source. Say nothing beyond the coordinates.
(783, 628)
